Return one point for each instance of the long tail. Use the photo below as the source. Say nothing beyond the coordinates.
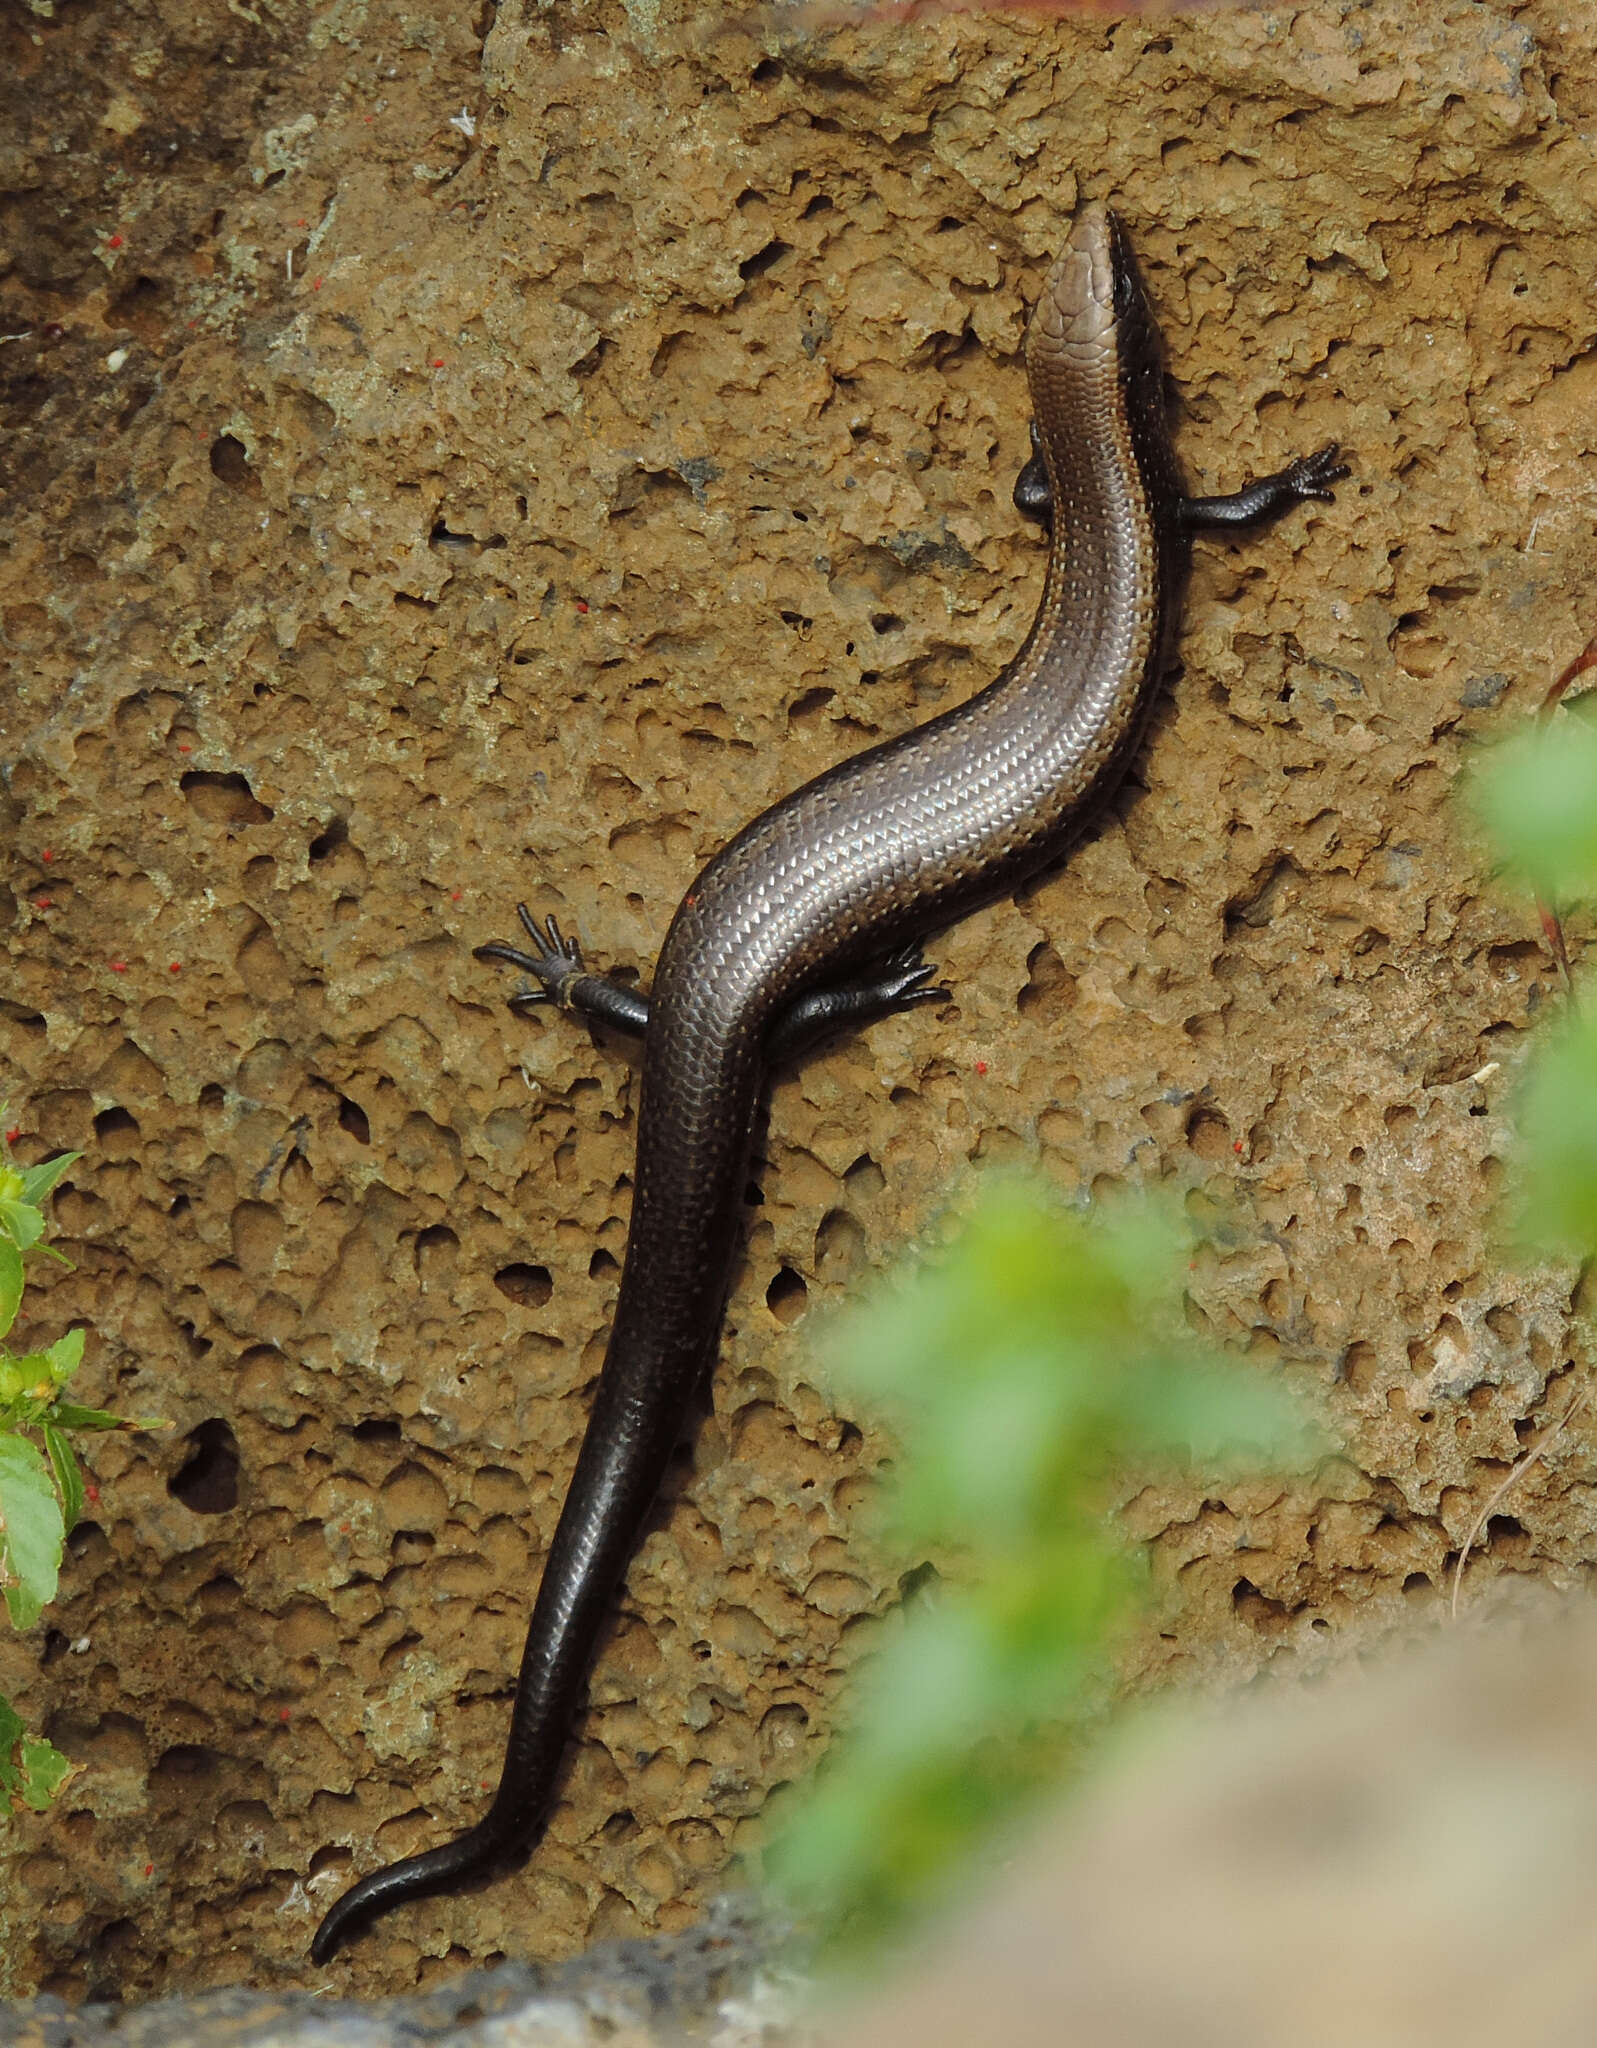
(666, 1327)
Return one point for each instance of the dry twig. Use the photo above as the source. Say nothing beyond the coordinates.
(1515, 1474)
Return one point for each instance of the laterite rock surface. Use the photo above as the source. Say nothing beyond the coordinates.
(455, 455)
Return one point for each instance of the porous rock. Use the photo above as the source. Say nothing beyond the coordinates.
(457, 456)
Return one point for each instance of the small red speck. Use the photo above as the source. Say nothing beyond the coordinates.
(300, 222)
(455, 895)
(92, 1495)
(176, 967)
(117, 966)
(12, 1136)
(316, 284)
(185, 750)
(1237, 1146)
(582, 604)
(149, 1870)
(48, 854)
(438, 362)
(371, 117)
(343, 1528)
(285, 1713)
(42, 902)
(114, 242)
(981, 1066)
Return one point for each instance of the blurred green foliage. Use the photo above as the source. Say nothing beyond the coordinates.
(1034, 1368)
(1535, 794)
(1557, 1162)
(41, 1485)
(1025, 1372)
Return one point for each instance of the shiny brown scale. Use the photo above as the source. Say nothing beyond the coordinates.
(811, 917)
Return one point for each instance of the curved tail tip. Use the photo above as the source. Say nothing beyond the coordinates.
(325, 1942)
(414, 1877)
(341, 1920)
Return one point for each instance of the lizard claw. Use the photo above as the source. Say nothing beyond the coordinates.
(1313, 475)
(906, 980)
(555, 961)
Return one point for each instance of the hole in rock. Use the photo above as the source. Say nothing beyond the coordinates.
(207, 1481)
(527, 1286)
(787, 1296)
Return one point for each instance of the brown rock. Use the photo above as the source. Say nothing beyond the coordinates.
(538, 442)
(1405, 1853)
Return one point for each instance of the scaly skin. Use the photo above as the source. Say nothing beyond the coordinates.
(777, 936)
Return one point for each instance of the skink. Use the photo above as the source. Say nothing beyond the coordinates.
(812, 916)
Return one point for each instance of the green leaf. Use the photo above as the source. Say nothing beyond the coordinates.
(1031, 1366)
(44, 1771)
(32, 1771)
(10, 1283)
(68, 1478)
(66, 1416)
(20, 1379)
(1558, 1130)
(65, 1355)
(12, 1735)
(1533, 794)
(37, 1181)
(21, 1222)
(31, 1530)
(1220, 1416)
